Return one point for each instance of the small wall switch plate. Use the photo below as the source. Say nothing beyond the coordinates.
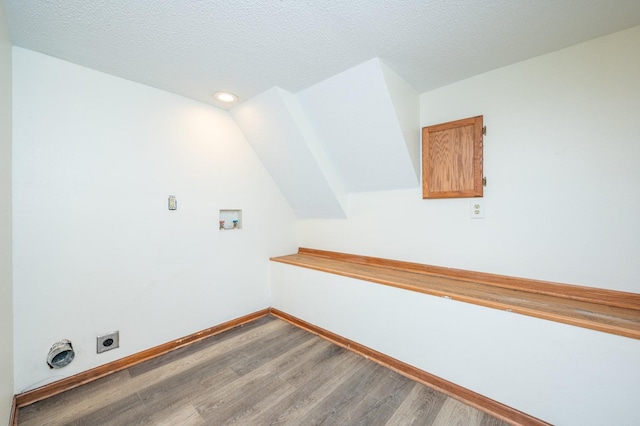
(173, 204)
(108, 341)
(476, 207)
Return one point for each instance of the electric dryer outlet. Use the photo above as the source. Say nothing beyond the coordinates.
(108, 341)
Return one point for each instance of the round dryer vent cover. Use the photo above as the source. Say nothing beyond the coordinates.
(61, 354)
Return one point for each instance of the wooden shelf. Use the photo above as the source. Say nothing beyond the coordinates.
(597, 309)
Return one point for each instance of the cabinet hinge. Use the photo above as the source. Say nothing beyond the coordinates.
(484, 130)
(484, 181)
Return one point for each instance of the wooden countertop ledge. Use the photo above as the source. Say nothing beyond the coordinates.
(604, 310)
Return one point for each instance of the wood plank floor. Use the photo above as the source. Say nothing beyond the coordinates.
(263, 373)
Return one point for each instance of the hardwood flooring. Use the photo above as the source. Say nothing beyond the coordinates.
(263, 373)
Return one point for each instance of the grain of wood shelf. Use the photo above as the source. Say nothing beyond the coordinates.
(604, 310)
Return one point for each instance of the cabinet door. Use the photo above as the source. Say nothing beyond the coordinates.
(452, 159)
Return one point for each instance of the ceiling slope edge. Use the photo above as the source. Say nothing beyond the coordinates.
(284, 142)
(367, 121)
(315, 146)
(406, 102)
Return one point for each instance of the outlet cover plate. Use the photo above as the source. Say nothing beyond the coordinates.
(108, 341)
(476, 207)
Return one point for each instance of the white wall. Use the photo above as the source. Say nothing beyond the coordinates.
(6, 298)
(561, 159)
(562, 374)
(95, 247)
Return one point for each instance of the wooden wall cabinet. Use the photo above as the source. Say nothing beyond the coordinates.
(452, 159)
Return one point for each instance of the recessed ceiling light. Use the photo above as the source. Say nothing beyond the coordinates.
(225, 96)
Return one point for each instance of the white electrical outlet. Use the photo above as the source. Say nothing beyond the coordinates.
(477, 208)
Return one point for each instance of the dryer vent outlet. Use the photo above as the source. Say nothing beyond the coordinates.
(61, 354)
(108, 341)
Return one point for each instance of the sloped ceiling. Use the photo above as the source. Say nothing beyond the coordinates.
(196, 47)
(274, 129)
(356, 131)
(356, 120)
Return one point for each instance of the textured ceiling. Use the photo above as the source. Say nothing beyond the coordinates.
(196, 47)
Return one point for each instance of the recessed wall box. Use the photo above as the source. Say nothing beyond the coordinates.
(230, 219)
